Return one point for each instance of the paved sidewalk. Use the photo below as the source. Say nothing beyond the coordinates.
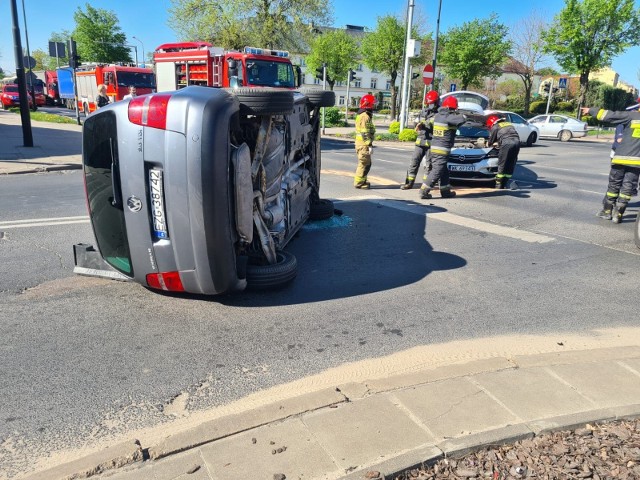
(56, 146)
(351, 431)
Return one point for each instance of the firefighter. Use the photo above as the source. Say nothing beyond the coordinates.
(432, 99)
(625, 164)
(505, 135)
(443, 125)
(365, 131)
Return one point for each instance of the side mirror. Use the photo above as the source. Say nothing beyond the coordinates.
(233, 67)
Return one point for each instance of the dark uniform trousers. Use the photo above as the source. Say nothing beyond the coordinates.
(507, 158)
(623, 184)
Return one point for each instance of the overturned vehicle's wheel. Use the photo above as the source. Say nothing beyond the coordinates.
(320, 98)
(261, 276)
(321, 210)
(265, 101)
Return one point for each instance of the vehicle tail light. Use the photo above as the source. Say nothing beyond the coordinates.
(169, 281)
(149, 110)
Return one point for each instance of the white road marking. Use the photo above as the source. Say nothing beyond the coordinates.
(43, 222)
(459, 220)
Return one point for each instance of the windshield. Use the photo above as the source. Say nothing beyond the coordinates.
(100, 158)
(269, 73)
(136, 79)
(11, 88)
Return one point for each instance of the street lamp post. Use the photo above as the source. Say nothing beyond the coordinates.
(27, 135)
(142, 45)
(26, 36)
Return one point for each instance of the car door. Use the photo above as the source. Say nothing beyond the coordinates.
(542, 122)
(521, 126)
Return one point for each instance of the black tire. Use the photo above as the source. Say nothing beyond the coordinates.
(320, 98)
(636, 234)
(264, 277)
(532, 139)
(321, 210)
(265, 101)
(565, 135)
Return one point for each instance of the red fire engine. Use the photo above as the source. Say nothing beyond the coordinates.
(117, 79)
(199, 63)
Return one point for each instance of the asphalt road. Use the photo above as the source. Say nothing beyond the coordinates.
(87, 360)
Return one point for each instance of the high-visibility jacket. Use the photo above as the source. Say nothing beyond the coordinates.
(503, 133)
(444, 125)
(365, 129)
(628, 150)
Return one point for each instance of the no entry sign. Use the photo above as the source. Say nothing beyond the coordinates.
(427, 74)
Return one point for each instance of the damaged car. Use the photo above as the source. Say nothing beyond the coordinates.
(200, 190)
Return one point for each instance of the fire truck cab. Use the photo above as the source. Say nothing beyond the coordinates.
(199, 63)
(117, 79)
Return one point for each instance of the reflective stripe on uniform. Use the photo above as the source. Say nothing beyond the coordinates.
(601, 114)
(625, 197)
(612, 195)
(440, 150)
(621, 160)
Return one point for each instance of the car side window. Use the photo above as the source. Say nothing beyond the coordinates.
(556, 119)
(517, 119)
(537, 120)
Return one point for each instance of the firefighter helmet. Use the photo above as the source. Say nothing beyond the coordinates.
(431, 97)
(450, 102)
(367, 102)
(492, 119)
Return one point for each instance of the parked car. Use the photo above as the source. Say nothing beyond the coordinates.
(559, 126)
(528, 133)
(10, 96)
(199, 190)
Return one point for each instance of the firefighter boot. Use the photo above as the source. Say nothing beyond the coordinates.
(408, 183)
(500, 183)
(425, 192)
(446, 192)
(618, 212)
(606, 211)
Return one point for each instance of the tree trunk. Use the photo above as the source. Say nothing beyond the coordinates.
(394, 94)
(527, 95)
(584, 83)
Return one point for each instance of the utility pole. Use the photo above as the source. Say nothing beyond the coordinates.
(346, 108)
(26, 36)
(25, 117)
(435, 48)
(549, 95)
(405, 78)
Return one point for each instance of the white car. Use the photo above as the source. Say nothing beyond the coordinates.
(468, 101)
(559, 126)
(528, 133)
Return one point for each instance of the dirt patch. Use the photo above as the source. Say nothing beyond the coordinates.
(601, 451)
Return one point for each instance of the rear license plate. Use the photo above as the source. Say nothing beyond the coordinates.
(157, 204)
(462, 168)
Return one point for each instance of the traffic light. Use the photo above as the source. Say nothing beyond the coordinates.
(546, 86)
(414, 76)
(352, 75)
(75, 61)
(320, 72)
(555, 89)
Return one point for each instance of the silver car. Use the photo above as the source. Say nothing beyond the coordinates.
(559, 126)
(199, 190)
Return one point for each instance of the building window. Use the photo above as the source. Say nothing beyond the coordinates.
(316, 81)
(357, 83)
(388, 87)
(375, 70)
(303, 62)
(339, 84)
(341, 100)
(374, 82)
(359, 67)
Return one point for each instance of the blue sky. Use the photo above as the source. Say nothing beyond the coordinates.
(150, 23)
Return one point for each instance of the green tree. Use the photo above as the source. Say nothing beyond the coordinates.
(587, 34)
(547, 72)
(475, 50)
(233, 24)
(335, 48)
(527, 52)
(99, 37)
(383, 50)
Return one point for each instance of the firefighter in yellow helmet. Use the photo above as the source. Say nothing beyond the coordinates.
(365, 131)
